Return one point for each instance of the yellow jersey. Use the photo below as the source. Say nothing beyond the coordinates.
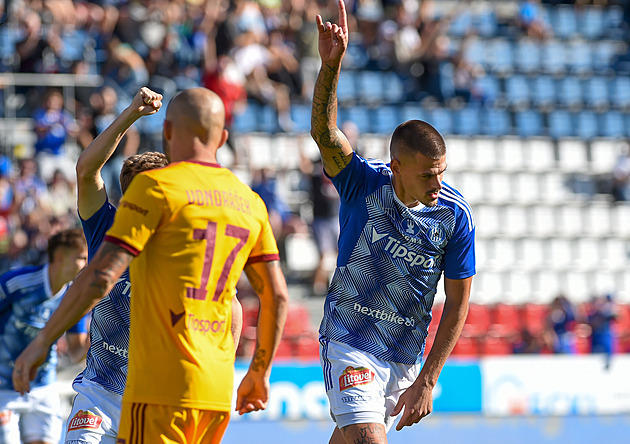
(193, 227)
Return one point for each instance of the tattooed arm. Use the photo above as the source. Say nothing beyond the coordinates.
(268, 281)
(333, 145)
(90, 286)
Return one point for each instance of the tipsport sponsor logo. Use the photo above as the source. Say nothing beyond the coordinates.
(384, 315)
(397, 250)
(84, 419)
(204, 325)
(351, 377)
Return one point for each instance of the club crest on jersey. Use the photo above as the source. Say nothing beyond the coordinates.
(84, 419)
(436, 234)
(410, 228)
(351, 377)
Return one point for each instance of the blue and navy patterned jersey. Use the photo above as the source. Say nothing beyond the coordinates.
(26, 304)
(390, 260)
(106, 361)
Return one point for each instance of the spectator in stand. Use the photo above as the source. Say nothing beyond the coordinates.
(54, 126)
(325, 225)
(531, 21)
(29, 188)
(602, 314)
(527, 343)
(621, 176)
(561, 320)
(37, 51)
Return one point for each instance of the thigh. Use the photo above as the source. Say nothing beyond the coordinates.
(365, 433)
(93, 420)
(9, 427)
(170, 424)
(42, 422)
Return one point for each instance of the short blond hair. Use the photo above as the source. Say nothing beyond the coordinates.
(139, 163)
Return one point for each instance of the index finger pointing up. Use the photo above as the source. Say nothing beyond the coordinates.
(343, 17)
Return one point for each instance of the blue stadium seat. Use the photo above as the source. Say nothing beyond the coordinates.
(527, 55)
(612, 124)
(461, 24)
(490, 87)
(591, 22)
(517, 90)
(385, 119)
(360, 115)
(614, 22)
(9, 35)
(569, 91)
(563, 21)
(347, 87)
(370, 86)
(495, 122)
(604, 53)
(486, 23)
(579, 58)
(560, 124)
(441, 119)
(268, 119)
(475, 52)
(467, 121)
(553, 59)
(394, 87)
(412, 111)
(620, 92)
(543, 90)
(596, 92)
(247, 121)
(356, 57)
(500, 55)
(528, 123)
(301, 116)
(586, 125)
(73, 44)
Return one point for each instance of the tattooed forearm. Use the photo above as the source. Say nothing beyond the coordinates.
(259, 362)
(324, 108)
(109, 263)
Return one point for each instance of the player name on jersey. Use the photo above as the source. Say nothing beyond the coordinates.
(218, 198)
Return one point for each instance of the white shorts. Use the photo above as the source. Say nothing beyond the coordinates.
(95, 415)
(362, 388)
(33, 416)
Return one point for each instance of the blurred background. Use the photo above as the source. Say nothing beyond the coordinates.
(533, 99)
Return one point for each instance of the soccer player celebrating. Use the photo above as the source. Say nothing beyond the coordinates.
(188, 230)
(401, 228)
(28, 296)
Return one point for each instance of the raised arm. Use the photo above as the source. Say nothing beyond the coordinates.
(417, 400)
(90, 286)
(90, 185)
(333, 145)
(268, 281)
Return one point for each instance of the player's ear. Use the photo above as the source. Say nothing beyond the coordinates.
(167, 130)
(395, 165)
(224, 137)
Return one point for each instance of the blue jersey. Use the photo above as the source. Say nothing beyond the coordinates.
(390, 260)
(106, 361)
(26, 304)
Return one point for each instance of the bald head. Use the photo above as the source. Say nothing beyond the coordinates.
(196, 114)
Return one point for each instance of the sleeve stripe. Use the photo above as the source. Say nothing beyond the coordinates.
(466, 210)
(263, 258)
(122, 244)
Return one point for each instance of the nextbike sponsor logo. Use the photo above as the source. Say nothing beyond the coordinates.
(204, 325)
(351, 377)
(383, 315)
(114, 349)
(84, 419)
(395, 248)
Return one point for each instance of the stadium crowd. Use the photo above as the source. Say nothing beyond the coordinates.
(248, 52)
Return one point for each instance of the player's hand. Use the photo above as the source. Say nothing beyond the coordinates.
(27, 364)
(146, 102)
(333, 38)
(253, 393)
(417, 402)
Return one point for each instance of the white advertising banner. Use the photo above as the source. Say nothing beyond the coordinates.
(555, 385)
